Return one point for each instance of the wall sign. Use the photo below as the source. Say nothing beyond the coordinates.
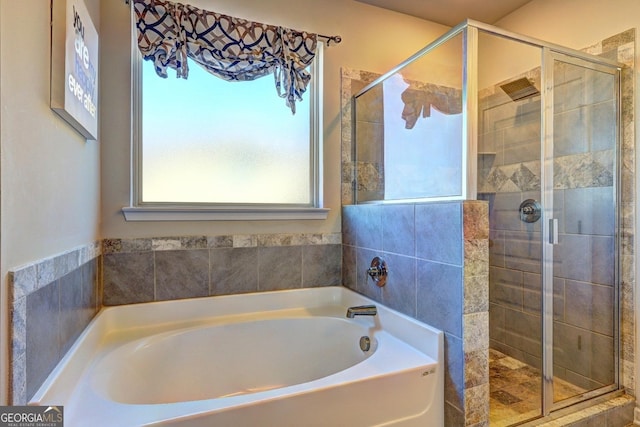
(74, 66)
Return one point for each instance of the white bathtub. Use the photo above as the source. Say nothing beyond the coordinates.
(285, 358)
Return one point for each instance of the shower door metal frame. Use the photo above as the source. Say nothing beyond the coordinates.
(549, 225)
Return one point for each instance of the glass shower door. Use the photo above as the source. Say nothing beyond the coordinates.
(580, 247)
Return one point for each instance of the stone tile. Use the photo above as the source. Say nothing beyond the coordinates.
(368, 227)
(398, 229)
(349, 267)
(476, 368)
(23, 281)
(321, 265)
(399, 292)
(476, 332)
(72, 319)
(225, 241)
(128, 278)
(476, 294)
(365, 285)
(279, 267)
(43, 339)
(181, 274)
(439, 296)
(234, 270)
(439, 232)
(589, 306)
(454, 371)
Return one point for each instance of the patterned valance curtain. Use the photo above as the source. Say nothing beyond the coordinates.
(231, 48)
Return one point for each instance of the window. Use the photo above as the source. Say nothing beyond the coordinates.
(205, 148)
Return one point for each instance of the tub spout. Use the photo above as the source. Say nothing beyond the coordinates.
(361, 310)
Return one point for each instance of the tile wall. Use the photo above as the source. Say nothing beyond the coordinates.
(437, 254)
(509, 172)
(437, 257)
(156, 269)
(52, 301)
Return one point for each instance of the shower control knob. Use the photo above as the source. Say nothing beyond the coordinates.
(530, 211)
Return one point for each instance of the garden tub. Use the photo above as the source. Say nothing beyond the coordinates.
(283, 358)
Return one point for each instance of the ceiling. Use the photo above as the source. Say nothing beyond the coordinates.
(452, 12)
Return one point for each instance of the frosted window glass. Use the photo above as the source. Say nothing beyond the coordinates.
(206, 140)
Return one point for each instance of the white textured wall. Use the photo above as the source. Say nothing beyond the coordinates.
(373, 39)
(49, 175)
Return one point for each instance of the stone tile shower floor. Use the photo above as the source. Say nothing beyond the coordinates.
(515, 390)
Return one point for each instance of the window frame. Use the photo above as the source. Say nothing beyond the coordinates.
(139, 210)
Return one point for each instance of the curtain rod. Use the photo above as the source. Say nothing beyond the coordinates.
(328, 39)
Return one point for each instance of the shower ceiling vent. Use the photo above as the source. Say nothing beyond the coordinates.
(520, 89)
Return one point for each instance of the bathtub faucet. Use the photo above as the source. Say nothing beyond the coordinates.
(361, 310)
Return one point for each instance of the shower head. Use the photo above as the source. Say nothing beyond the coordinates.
(520, 89)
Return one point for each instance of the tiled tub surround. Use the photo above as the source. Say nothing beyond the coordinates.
(156, 269)
(437, 256)
(52, 301)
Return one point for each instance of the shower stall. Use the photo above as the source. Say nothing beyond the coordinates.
(533, 129)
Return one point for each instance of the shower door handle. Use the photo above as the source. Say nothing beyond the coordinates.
(553, 231)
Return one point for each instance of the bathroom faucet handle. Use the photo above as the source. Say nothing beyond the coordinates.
(378, 271)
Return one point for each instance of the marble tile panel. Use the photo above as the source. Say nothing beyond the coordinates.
(166, 244)
(244, 240)
(477, 405)
(279, 267)
(398, 229)
(439, 232)
(23, 281)
(589, 306)
(523, 332)
(476, 368)
(476, 294)
(181, 274)
(368, 226)
(476, 332)
(234, 270)
(366, 285)
(128, 278)
(475, 220)
(321, 265)
(349, 267)
(399, 292)
(454, 371)
(43, 340)
(72, 316)
(439, 296)
(224, 241)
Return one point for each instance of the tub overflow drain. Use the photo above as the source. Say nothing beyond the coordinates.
(365, 343)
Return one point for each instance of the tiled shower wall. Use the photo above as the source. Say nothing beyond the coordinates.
(509, 172)
(52, 301)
